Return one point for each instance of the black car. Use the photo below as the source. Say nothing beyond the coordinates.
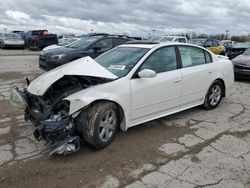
(91, 46)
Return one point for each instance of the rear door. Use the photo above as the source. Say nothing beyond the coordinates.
(153, 96)
(197, 70)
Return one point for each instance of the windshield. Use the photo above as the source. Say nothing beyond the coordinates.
(84, 42)
(166, 39)
(11, 36)
(247, 52)
(121, 60)
(199, 42)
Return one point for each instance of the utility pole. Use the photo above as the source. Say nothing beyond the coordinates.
(153, 30)
(227, 31)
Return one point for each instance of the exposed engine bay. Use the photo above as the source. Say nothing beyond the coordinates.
(50, 113)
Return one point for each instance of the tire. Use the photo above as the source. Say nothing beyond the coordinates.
(214, 95)
(101, 124)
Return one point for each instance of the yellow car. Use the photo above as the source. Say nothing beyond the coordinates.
(211, 44)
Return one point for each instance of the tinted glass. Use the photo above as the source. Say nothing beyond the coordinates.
(209, 43)
(208, 57)
(104, 44)
(84, 42)
(161, 60)
(182, 40)
(121, 60)
(215, 43)
(119, 41)
(199, 42)
(191, 56)
(11, 36)
(247, 52)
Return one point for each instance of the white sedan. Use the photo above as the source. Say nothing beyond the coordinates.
(124, 87)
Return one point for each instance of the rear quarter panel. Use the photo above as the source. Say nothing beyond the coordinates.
(224, 70)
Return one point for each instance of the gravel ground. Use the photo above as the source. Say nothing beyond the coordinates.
(194, 148)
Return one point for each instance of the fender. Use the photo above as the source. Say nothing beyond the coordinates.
(120, 95)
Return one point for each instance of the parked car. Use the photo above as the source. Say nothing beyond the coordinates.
(173, 39)
(11, 40)
(242, 65)
(237, 49)
(87, 46)
(213, 45)
(124, 87)
(38, 39)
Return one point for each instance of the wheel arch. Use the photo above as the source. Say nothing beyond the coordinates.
(122, 116)
(223, 84)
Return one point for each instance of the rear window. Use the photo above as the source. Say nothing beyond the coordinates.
(191, 56)
(40, 32)
(208, 57)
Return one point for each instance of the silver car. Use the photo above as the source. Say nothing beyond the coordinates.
(11, 40)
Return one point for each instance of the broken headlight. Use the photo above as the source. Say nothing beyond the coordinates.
(17, 99)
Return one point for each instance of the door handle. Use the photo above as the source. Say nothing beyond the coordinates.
(177, 81)
(210, 72)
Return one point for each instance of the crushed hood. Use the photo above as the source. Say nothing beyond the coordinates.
(85, 66)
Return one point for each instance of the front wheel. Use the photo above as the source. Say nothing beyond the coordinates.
(101, 124)
(214, 95)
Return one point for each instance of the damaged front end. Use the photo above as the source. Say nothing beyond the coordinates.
(50, 112)
(60, 134)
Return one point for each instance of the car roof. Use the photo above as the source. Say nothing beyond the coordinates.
(150, 46)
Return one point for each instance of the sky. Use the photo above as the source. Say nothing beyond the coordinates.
(133, 17)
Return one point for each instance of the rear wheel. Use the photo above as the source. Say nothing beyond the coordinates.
(101, 124)
(214, 95)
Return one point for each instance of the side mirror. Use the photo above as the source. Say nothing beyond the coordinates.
(147, 73)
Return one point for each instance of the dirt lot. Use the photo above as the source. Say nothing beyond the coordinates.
(194, 148)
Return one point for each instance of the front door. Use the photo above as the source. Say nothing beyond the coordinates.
(158, 95)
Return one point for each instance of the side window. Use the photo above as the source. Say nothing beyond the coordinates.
(215, 43)
(209, 43)
(182, 40)
(191, 56)
(118, 41)
(208, 57)
(161, 60)
(176, 40)
(104, 44)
